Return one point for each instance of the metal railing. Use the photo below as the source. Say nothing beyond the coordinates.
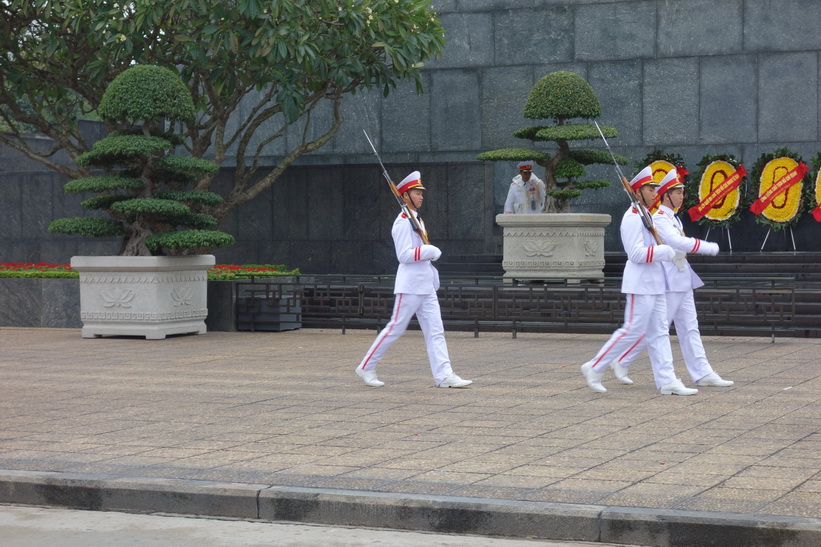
(726, 305)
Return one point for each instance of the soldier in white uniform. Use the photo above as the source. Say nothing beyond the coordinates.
(415, 288)
(527, 191)
(645, 311)
(681, 280)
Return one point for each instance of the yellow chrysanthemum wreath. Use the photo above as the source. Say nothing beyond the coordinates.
(714, 170)
(787, 207)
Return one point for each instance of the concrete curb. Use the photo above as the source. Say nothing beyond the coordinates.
(111, 493)
(487, 517)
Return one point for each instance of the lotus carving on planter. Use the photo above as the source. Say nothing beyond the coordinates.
(539, 248)
(118, 297)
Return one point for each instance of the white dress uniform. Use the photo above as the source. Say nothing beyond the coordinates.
(525, 197)
(681, 280)
(417, 281)
(645, 311)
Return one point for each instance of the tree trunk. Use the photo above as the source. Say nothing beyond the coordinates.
(134, 241)
(551, 204)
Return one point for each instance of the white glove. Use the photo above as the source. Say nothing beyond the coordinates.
(663, 253)
(710, 248)
(430, 252)
(680, 260)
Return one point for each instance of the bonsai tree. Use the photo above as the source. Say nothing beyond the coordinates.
(560, 96)
(142, 187)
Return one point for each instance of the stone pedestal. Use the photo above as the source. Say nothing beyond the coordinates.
(151, 296)
(553, 246)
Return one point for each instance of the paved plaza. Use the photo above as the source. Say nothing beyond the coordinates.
(285, 415)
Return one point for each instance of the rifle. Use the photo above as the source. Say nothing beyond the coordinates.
(402, 205)
(646, 219)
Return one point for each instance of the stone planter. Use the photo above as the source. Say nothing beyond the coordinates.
(553, 246)
(150, 296)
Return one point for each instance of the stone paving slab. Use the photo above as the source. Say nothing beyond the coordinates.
(285, 410)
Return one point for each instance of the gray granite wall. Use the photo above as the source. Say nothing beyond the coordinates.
(692, 77)
(51, 303)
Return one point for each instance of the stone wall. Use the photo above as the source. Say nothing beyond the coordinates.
(691, 77)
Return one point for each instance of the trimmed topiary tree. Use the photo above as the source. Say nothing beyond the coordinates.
(142, 184)
(561, 96)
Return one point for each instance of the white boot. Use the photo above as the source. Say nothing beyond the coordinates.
(677, 388)
(593, 378)
(713, 379)
(370, 377)
(621, 373)
(453, 380)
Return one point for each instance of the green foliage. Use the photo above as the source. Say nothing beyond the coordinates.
(28, 274)
(564, 132)
(268, 64)
(146, 92)
(513, 154)
(102, 202)
(123, 149)
(150, 206)
(103, 183)
(87, 226)
(227, 272)
(199, 221)
(188, 239)
(184, 168)
(816, 162)
(574, 132)
(199, 198)
(562, 95)
(569, 168)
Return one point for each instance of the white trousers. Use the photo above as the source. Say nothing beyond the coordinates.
(645, 321)
(681, 310)
(426, 309)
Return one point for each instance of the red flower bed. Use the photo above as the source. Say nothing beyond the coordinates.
(220, 271)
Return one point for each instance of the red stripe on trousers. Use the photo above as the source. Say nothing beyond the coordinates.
(627, 328)
(623, 355)
(388, 331)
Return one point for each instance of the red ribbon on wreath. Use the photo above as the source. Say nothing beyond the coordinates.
(781, 185)
(719, 192)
